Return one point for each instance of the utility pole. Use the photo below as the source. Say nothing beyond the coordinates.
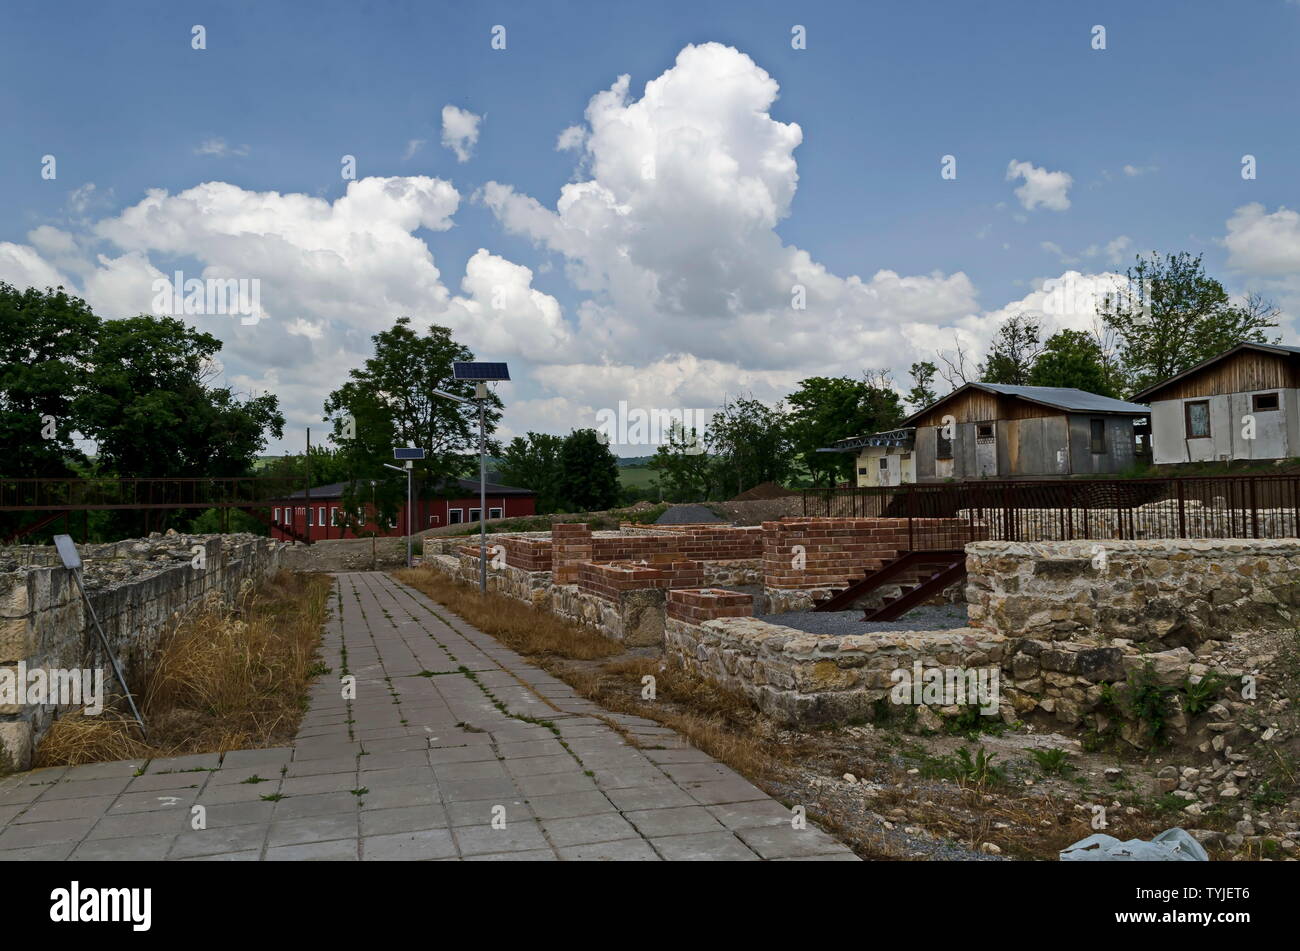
(307, 461)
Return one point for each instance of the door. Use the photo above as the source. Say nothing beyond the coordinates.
(986, 450)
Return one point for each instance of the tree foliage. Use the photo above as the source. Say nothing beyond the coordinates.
(825, 410)
(1171, 315)
(588, 472)
(390, 401)
(533, 462)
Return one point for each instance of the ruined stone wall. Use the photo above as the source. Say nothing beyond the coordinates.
(138, 588)
(806, 679)
(1161, 594)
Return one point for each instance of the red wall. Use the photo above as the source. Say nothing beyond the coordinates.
(429, 513)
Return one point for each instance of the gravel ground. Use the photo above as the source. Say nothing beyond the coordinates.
(686, 515)
(925, 618)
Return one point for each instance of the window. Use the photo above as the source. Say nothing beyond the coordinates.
(494, 513)
(944, 450)
(454, 516)
(1198, 419)
(320, 515)
(277, 515)
(1263, 401)
(1098, 435)
(433, 520)
(309, 521)
(862, 470)
(334, 516)
(475, 514)
(984, 431)
(884, 462)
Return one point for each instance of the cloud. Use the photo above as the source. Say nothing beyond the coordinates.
(219, 149)
(1133, 171)
(1041, 187)
(1264, 243)
(460, 131)
(413, 146)
(671, 236)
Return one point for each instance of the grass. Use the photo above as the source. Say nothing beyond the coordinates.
(720, 722)
(224, 678)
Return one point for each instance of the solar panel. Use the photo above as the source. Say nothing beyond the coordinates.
(481, 372)
(404, 452)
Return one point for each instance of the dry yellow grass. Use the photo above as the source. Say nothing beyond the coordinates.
(521, 627)
(225, 678)
(720, 722)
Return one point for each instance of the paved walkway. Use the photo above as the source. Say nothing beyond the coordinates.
(453, 748)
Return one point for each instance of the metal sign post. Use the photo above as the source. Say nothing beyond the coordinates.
(67, 550)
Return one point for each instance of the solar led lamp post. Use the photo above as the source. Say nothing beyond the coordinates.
(480, 374)
(409, 454)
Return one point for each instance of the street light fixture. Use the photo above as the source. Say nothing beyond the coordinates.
(480, 374)
(409, 454)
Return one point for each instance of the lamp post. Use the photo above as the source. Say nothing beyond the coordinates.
(407, 470)
(481, 374)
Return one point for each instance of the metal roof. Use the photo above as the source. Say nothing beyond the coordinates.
(1066, 399)
(896, 438)
(1276, 348)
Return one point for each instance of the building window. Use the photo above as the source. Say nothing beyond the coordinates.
(1260, 402)
(475, 514)
(884, 462)
(862, 470)
(944, 450)
(1198, 419)
(455, 516)
(320, 516)
(309, 521)
(984, 431)
(433, 520)
(1098, 435)
(334, 516)
(494, 513)
(277, 515)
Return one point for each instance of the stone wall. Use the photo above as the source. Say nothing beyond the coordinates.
(137, 589)
(806, 679)
(1160, 594)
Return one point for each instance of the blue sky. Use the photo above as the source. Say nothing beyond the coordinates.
(668, 290)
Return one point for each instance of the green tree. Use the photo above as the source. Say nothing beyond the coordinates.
(1170, 315)
(533, 462)
(683, 466)
(922, 393)
(149, 407)
(588, 472)
(389, 401)
(46, 338)
(1013, 352)
(750, 443)
(1072, 358)
(827, 409)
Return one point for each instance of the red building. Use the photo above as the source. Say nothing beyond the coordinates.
(316, 515)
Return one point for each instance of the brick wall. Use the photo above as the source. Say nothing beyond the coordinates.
(530, 554)
(570, 546)
(695, 605)
(610, 580)
(839, 551)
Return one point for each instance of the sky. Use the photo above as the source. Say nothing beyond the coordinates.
(641, 206)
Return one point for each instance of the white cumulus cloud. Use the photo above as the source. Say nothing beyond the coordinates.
(460, 131)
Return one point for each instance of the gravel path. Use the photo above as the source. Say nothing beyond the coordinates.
(925, 618)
